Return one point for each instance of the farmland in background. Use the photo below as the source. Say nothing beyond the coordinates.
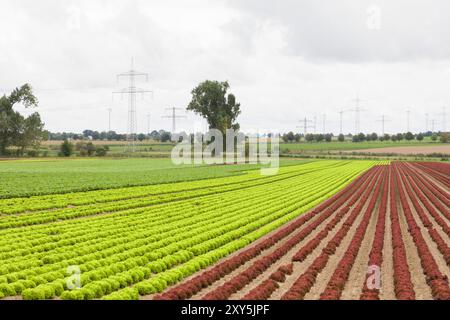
(348, 145)
(324, 149)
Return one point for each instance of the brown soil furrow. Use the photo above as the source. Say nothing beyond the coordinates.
(404, 230)
(300, 267)
(434, 171)
(248, 263)
(286, 259)
(434, 180)
(286, 243)
(427, 176)
(443, 267)
(325, 275)
(443, 192)
(357, 277)
(421, 287)
(340, 276)
(191, 286)
(437, 281)
(387, 291)
(442, 212)
(435, 225)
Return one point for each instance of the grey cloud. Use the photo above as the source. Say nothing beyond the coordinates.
(284, 60)
(337, 30)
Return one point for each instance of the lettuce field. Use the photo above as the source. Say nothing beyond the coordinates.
(312, 231)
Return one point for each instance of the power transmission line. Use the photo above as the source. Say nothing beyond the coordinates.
(305, 125)
(109, 119)
(341, 113)
(426, 121)
(173, 116)
(132, 90)
(324, 117)
(444, 120)
(383, 120)
(357, 111)
(408, 114)
(148, 124)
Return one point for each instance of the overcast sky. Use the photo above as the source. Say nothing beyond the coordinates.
(285, 60)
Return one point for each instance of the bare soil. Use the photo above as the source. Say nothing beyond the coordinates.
(408, 150)
(355, 283)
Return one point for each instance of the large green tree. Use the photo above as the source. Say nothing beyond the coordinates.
(15, 129)
(211, 100)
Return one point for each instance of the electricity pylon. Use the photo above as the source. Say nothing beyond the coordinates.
(383, 120)
(109, 119)
(173, 116)
(444, 120)
(132, 90)
(341, 113)
(408, 115)
(433, 122)
(357, 111)
(324, 118)
(305, 126)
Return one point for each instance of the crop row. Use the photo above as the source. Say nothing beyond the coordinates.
(441, 167)
(46, 177)
(41, 217)
(145, 288)
(442, 178)
(441, 197)
(413, 191)
(305, 250)
(403, 286)
(435, 279)
(142, 246)
(234, 204)
(111, 268)
(376, 253)
(265, 289)
(305, 282)
(269, 285)
(58, 201)
(340, 276)
(62, 227)
(417, 200)
(194, 285)
(139, 203)
(262, 264)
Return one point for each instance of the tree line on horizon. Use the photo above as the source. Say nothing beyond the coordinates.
(156, 135)
(292, 137)
(210, 100)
